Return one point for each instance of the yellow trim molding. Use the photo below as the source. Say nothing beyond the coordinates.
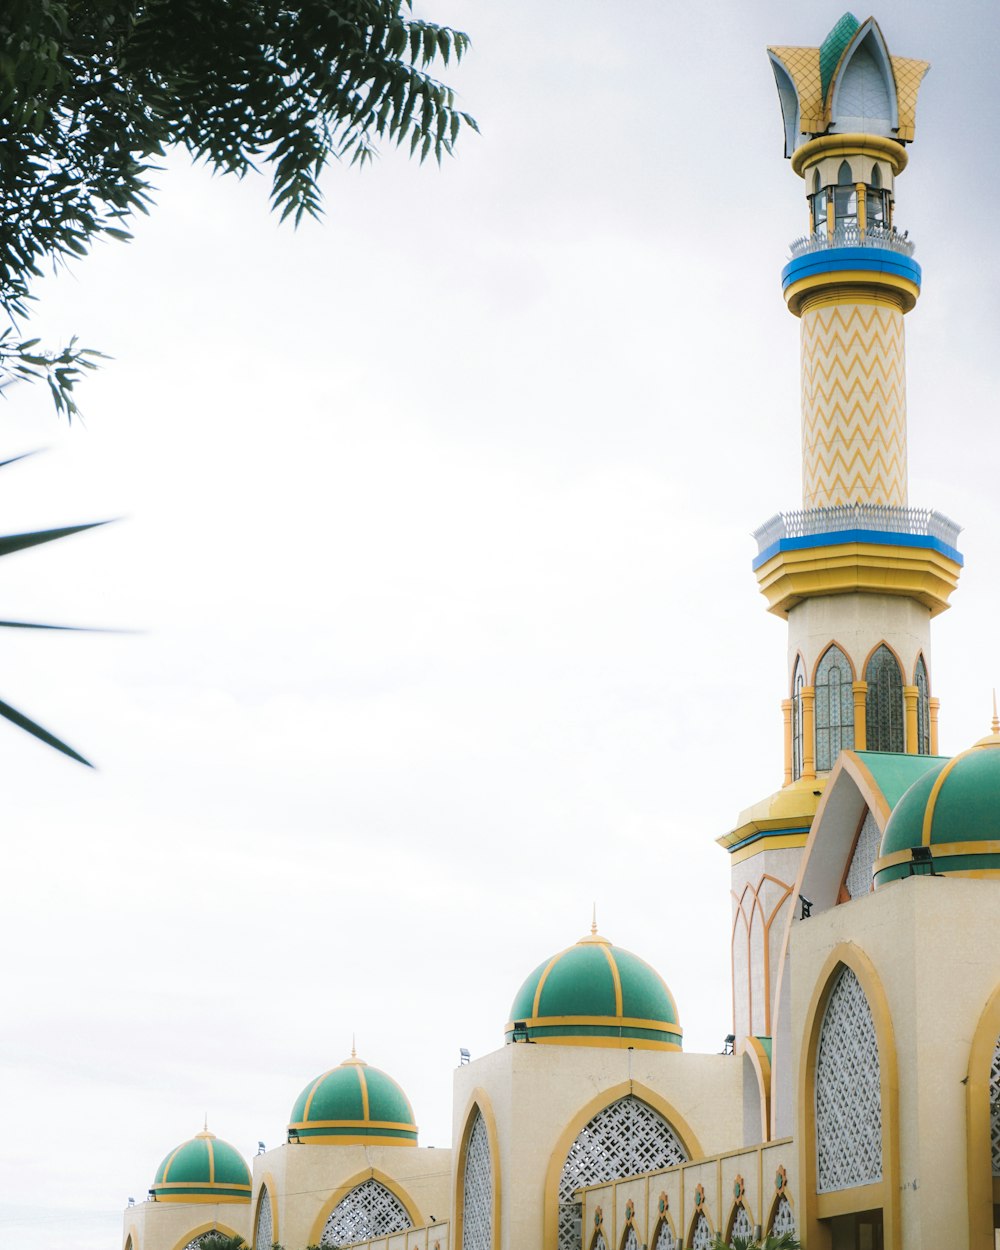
(872, 146)
(851, 286)
(918, 573)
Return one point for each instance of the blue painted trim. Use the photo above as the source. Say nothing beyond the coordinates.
(770, 833)
(832, 259)
(838, 537)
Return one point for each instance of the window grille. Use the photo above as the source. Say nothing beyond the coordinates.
(798, 681)
(701, 1234)
(477, 1189)
(923, 708)
(834, 708)
(264, 1236)
(196, 1243)
(848, 1091)
(664, 1238)
(599, 1243)
(741, 1226)
(623, 1139)
(884, 702)
(995, 1108)
(369, 1210)
(631, 1241)
(859, 875)
(784, 1218)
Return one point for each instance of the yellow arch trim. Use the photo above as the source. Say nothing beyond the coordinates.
(939, 780)
(266, 1182)
(132, 1239)
(702, 1210)
(214, 1227)
(773, 1209)
(479, 1101)
(363, 1082)
(683, 1130)
(342, 1190)
(761, 1064)
(739, 1202)
(979, 1166)
(667, 1219)
(884, 1193)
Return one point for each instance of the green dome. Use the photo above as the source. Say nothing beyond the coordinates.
(596, 994)
(203, 1169)
(954, 810)
(353, 1104)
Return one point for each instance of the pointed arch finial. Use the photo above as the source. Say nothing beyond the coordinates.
(593, 917)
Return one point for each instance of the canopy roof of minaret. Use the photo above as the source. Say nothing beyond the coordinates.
(881, 90)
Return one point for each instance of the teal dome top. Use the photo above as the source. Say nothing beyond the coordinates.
(595, 994)
(954, 811)
(353, 1104)
(203, 1169)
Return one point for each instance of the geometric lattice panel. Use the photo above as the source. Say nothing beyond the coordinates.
(834, 713)
(369, 1210)
(665, 1238)
(784, 1218)
(631, 1241)
(701, 1236)
(884, 702)
(995, 1108)
(859, 875)
(741, 1226)
(264, 1237)
(477, 1190)
(599, 1243)
(623, 1139)
(848, 1091)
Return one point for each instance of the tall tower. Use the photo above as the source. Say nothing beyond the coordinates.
(857, 573)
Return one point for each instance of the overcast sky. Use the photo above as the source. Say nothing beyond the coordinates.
(436, 524)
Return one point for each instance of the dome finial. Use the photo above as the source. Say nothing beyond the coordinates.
(205, 1129)
(995, 727)
(593, 919)
(354, 1047)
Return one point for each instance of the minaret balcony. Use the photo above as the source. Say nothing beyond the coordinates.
(857, 548)
(877, 258)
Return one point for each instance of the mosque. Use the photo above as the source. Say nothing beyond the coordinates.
(858, 1102)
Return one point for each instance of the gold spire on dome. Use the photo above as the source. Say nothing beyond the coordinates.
(992, 739)
(360, 1063)
(593, 935)
(204, 1132)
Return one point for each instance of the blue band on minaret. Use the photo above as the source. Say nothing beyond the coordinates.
(870, 259)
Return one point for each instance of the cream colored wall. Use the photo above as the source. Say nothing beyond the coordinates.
(541, 1096)
(307, 1182)
(858, 623)
(931, 941)
(171, 1225)
(756, 1168)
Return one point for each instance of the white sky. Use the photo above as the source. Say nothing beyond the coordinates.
(437, 529)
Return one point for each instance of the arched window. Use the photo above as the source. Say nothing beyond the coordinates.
(923, 707)
(817, 185)
(477, 1189)
(848, 1091)
(263, 1237)
(783, 1220)
(876, 177)
(701, 1233)
(995, 1108)
(664, 1239)
(845, 197)
(884, 702)
(598, 1243)
(739, 1225)
(834, 708)
(844, 176)
(369, 1210)
(196, 1243)
(623, 1139)
(798, 682)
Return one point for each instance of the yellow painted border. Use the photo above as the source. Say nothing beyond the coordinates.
(340, 1193)
(883, 1193)
(266, 1182)
(680, 1126)
(628, 1022)
(761, 1064)
(479, 1101)
(979, 1165)
(307, 1124)
(773, 842)
(873, 146)
(352, 1139)
(214, 1227)
(879, 286)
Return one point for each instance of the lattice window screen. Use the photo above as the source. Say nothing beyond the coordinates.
(834, 708)
(995, 1108)
(848, 1091)
(264, 1236)
(923, 708)
(665, 1238)
(631, 1241)
(884, 702)
(477, 1191)
(196, 1243)
(741, 1224)
(624, 1139)
(784, 1218)
(701, 1236)
(599, 1243)
(369, 1210)
(798, 682)
(859, 875)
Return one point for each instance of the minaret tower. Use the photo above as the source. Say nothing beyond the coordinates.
(857, 573)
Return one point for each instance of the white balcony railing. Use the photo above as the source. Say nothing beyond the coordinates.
(853, 236)
(882, 518)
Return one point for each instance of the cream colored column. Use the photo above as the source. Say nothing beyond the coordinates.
(860, 691)
(853, 401)
(808, 697)
(786, 712)
(934, 707)
(910, 695)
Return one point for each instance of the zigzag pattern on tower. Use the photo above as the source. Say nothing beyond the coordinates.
(853, 406)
